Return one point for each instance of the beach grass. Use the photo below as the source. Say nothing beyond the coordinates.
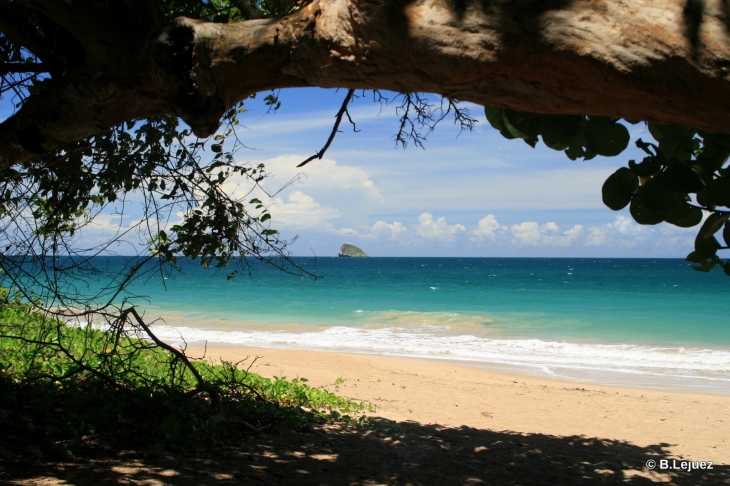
(65, 388)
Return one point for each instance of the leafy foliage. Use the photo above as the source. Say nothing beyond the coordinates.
(63, 388)
(683, 176)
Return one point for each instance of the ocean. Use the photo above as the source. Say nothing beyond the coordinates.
(649, 323)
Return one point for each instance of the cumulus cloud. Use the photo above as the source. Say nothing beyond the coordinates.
(393, 231)
(624, 233)
(324, 178)
(530, 233)
(627, 226)
(301, 211)
(437, 229)
(486, 229)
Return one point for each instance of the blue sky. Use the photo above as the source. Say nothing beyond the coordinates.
(467, 194)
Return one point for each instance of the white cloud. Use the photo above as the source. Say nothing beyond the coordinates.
(301, 211)
(626, 226)
(324, 176)
(530, 233)
(431, 229)
(526, 233)
(486, 229)
(596, 237)
(624, 233)
(394, 231)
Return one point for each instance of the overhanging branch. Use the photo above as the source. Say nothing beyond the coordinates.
(548, 58)
(335, 128)
(22, 67)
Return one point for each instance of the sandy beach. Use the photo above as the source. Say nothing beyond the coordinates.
(441, 424)
(691, 426)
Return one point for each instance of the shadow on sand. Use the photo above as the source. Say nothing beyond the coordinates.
(397, 454)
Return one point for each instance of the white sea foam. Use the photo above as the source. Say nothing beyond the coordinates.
(556, 358)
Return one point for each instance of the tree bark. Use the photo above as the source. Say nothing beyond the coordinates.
(666, 61)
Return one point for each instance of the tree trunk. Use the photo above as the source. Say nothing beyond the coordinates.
(664, 61)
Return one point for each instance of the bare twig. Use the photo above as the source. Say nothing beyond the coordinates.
(338, 120)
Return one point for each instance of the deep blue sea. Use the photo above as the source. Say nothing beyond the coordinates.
(637, 322)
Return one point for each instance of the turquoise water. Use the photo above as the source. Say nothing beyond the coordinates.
(625, 321)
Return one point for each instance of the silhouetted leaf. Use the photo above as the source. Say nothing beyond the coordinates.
(606, 137)
(718, 192)
(712, 224)
(684, 218)
(647, 167)
(495, 117)
(657, 197)
(680, 178)
(522, 125)
(618, 188)
(557, 131)
(643, 214)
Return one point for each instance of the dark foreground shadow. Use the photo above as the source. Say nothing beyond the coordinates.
(390, 454)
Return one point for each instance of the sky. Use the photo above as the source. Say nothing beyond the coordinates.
(466, 194)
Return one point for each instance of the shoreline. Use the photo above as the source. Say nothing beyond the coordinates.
(636, 380)
(675, 424)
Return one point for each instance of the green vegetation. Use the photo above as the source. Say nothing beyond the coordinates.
(683, 174)
(66, 388)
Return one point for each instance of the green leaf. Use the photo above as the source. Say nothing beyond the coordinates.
(684, 218)
(265, 217)
(495, 117)
(705, 266)
(718, 192)
(647, 167)
(522, 125)
(662, 132)
(557, 131)
(618, 188)
(217, 147)
(706, 246)
(643, 214)
(712, 225)
(255, 201)
(606, 137)
(659, 198)
(680, 178)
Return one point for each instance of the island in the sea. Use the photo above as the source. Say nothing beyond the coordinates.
(348, 250)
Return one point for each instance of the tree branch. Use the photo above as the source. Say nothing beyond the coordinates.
(338, 120)
(546, 57)
(22, 67)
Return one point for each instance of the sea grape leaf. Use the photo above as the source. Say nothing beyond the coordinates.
(559, 131)
(662, 132)
(606, 137)
(675, 142)
(522, 125)
(705, 265)
(706, 247)
(712, 225)
(643, 214)
(657, 197)
(718, 192)
(495, 117)
(680, 178)
(685, 217)
(618, 188)
(647, 167)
